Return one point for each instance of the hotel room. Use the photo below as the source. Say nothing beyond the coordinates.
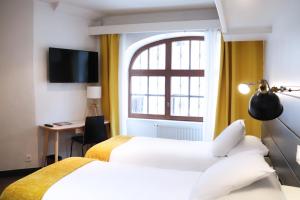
(148, 99)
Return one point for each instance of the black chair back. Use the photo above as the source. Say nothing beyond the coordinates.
(95, 130)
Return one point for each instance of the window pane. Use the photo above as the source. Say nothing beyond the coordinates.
(157, 85)
(197, 86)
(157, 56)
(179, 106)
(195, 54)
(139, 104)
(141, 62)
(195, 107)
(139, 85)
(202, 107)
(179, 86)
(157, 105)
(180, 54)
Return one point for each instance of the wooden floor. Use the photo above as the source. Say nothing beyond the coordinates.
(5, 181)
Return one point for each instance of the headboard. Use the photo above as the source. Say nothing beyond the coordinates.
(282, 136)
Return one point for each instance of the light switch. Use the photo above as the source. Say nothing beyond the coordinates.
(298, 154)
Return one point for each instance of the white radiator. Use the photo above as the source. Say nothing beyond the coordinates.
(179, 132)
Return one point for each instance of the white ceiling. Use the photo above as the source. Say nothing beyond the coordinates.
(130, 6)
(248, 19)
(250, 13)
(240, 19)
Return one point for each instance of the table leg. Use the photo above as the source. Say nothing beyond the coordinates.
(56, 146)
(46, 144)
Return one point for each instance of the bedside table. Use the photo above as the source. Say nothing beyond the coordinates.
(291, 193)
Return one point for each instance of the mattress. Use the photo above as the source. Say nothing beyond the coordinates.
(165, 153)
(113, 181)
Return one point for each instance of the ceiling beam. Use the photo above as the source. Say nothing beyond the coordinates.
(247, 34)
(192, 25)
(222, 18)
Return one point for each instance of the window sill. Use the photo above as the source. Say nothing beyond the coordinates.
(165, 121)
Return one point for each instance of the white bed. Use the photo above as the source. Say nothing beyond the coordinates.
(176, 154)
(165, 153)
(112, 181)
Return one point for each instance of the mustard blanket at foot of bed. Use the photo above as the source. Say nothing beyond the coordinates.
(34, 186)
(103, 150)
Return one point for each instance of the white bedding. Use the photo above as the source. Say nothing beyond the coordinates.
(111, 181)
(265, 189)
(165, 153)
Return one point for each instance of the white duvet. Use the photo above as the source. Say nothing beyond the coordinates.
(111, 181)
(165, 153)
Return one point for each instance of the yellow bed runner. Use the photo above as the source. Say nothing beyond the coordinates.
(103, 150)
(34, 186)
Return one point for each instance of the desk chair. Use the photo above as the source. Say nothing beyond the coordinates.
(94, 132)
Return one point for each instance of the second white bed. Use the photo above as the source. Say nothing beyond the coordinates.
(112, 181)
(176, 154)
(165, 153)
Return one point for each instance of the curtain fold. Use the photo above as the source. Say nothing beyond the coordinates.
(109, 58)
(241, 62)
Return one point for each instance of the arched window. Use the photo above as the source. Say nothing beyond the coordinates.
(166, 80)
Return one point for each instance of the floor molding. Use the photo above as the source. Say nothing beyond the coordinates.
(18, 172)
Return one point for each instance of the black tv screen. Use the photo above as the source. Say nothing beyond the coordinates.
(72, 66)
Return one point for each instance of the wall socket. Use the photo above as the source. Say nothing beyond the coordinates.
(28, 158)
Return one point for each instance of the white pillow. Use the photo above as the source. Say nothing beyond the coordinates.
(229, 138)
(229, 174)
(250, 143)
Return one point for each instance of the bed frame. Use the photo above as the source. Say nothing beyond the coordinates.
(282, 142)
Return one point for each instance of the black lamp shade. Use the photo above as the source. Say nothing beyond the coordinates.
(265, 106)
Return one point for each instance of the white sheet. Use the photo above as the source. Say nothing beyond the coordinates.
(165, 153)
(265, 189)
(110, 181)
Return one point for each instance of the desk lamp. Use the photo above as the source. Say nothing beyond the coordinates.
(94, 93)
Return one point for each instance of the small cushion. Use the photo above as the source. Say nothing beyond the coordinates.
(230, 174)
(229, 138)
(250, 143)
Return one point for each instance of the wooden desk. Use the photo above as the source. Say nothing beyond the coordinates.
(56, 130)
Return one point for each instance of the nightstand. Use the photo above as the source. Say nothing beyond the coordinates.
(291, 193)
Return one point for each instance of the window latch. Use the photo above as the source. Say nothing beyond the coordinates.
(168, 104)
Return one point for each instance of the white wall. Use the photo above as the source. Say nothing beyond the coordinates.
(28, 29)
(283, 46)
(58, 101)
(17, 117)
(282, 61)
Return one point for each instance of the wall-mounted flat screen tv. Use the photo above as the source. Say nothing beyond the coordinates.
(72, 66)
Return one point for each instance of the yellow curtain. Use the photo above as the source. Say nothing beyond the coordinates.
(241, 62)
(109, 55)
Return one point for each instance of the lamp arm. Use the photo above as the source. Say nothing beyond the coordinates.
(285, 89)
(269, 88)
(265, 87)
